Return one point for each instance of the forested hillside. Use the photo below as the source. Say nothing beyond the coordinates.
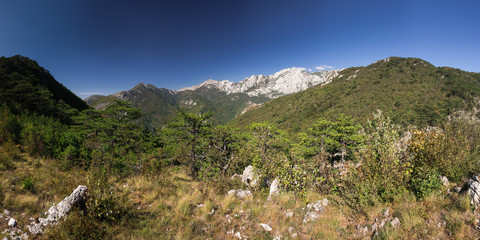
(344, 174)
(24, 85)
(409, 90)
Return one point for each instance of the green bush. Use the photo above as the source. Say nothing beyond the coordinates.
(383, 173)
(27, 184)
(103, 202)
(423, 182)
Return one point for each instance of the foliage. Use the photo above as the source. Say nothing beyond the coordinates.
(452, 152)
(339, 138)
(103, 202)
(268, 148)
(27, 184)
(26, 86)
(424, 181)
(384, 173)
(193, 130)
(410, 91)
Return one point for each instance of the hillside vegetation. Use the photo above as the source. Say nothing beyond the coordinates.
(336, 177)
(409, 90)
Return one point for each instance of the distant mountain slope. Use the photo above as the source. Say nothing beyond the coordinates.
(409, 90)
(24, 85)
(224, 98)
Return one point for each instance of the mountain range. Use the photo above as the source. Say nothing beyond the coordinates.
(226, 99)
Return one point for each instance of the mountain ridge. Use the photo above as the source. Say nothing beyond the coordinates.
(225, 98)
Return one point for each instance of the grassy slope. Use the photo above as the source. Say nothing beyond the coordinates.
(409, 90)
(173, 206)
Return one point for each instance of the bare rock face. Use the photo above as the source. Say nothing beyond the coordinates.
(57, 212)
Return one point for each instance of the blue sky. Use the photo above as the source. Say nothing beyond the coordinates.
(106, 46)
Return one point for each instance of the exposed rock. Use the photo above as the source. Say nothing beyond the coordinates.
(472, 187)
(274, 189)
(249, 176)
(240, 193)
(238, 235)
(266, 227)
(6, 212)
(12, 222)
(386, 214)
(395, 222)
(313, 209)
(457, 189)
(444, 180)
(289, 214)
(57, 212)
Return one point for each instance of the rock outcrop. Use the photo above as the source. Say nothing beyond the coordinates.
(472, 188)
(314, 209)
(240, 193)
(57, 212)
(274, 189)
(249, 176)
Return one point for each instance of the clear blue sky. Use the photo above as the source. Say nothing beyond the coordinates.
(105, 46)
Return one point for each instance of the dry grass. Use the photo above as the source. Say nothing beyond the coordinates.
(173, 206)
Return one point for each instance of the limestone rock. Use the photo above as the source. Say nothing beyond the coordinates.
(274, 189)
(12, 222)
(395, 222)
(240, 193)
(266, 227)
(57, 212)
(313, 209)
(249, 176)
(444, 180)
(472, 187)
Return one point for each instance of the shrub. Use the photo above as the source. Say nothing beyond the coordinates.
(424, 181)
(452, 152)
(384, 172)
(27, 184)
(103, 202)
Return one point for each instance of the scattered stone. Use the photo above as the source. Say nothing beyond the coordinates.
(374, 227)
(289, 214)
(240, 193)
(238, 235)
(12, 222)
(472, 187)
(249, 176)
(313, 209)
(364, 230)
(382, 223)
(274, 189)
(386, 214)
(444, 180)
(277, 237)
(310, 216)
(395, 222)
(6, 212)
(457, 189)
(266, 227)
